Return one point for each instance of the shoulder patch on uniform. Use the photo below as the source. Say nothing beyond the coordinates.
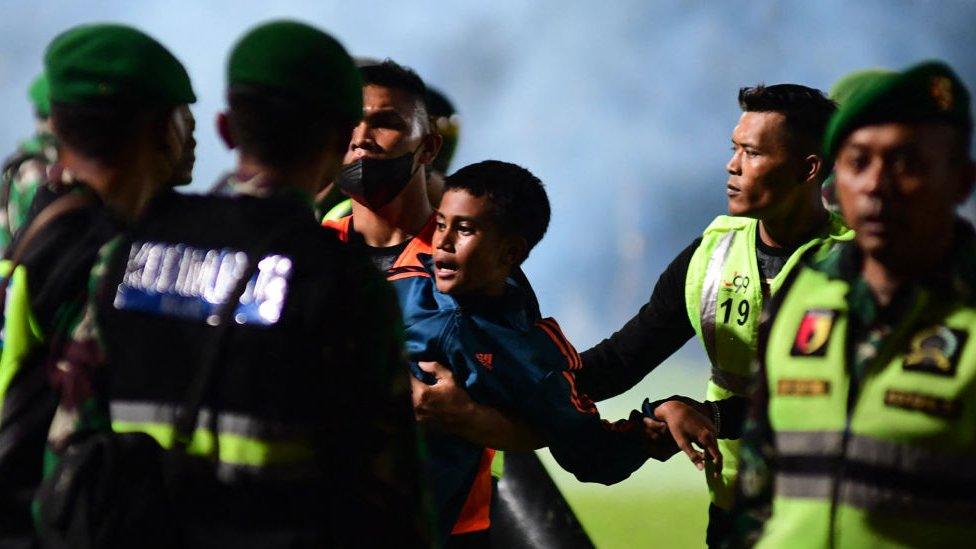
(181, 281)
(485, 359)
(813, 333)
(920, 402)
(935, 350)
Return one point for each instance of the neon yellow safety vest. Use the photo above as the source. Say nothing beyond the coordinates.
(891, 463)
(724, 299)
(21, 333)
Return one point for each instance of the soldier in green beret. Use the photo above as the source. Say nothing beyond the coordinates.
(238, 334)
(839, 93)
(117, 104)
(864, 427)
(27, 169)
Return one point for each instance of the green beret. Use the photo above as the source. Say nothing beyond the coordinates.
(843, 89)
(39, 94)
(301, 60)
(102, 61)
(928, 92)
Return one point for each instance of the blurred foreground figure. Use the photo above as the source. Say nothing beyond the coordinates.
(145, 137)
(839, 93)
(864, 428)
(236, 378)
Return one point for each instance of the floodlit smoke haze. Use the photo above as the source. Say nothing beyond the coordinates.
(624, 109)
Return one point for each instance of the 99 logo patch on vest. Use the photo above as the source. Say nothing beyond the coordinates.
(813, 334)
(935, 350)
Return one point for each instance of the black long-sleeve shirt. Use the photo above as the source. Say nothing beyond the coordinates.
(659, 329)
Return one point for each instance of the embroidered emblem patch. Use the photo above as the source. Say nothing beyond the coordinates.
(941, 90)
(920, 402)
(813, 334)
(485, 359)
(935, 350)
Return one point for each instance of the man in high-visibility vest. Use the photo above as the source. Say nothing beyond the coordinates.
(715, 288)
(863, 432)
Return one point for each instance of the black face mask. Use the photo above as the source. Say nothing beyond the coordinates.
(374, 182)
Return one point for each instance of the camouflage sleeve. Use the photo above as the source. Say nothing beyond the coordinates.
(26, 179)
(380, 466)
(76, 374)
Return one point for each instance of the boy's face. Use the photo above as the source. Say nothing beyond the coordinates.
(471, 255)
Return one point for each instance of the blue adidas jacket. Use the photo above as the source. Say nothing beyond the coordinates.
(509, 358)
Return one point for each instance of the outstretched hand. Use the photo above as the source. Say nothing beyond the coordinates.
(688, 426)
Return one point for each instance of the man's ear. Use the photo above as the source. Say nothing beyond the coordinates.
(811, 167)
(516, 250)
(223, 130)
(432, 145)
(967, 179)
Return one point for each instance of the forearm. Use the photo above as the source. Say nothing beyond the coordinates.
(492, 428)
(600, 451)
(582, 443)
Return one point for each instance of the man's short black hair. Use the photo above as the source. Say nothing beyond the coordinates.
(104, 130)
(807, 110)
(519, 204)
(280, 129)
(390, 74)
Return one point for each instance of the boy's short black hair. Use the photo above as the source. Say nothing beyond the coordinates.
(390, 74)
(104, 130)
(518, 200)
(280, 129)
(807, 110)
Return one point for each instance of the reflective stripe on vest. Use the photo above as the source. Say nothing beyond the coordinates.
(893, 465)
(241, 444)
(709, 294)
(878, 474)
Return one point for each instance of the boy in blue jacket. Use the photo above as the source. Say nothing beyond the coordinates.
(480, 325)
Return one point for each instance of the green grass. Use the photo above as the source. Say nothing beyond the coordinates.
(660, 505)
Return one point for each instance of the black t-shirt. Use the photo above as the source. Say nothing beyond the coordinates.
(382, 256)
(770, 261)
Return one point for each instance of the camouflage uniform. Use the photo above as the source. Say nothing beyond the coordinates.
(23, 174)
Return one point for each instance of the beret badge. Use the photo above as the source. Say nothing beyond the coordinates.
(940, 89)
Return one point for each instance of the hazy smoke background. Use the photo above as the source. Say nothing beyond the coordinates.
(623, 108)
